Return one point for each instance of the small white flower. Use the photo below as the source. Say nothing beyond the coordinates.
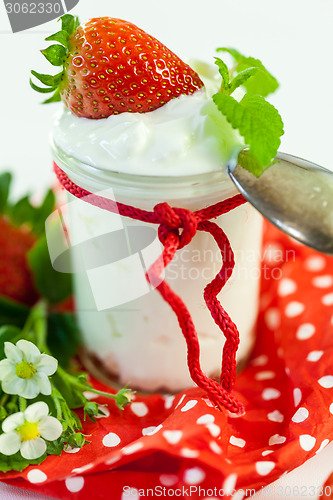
(26, 371)
(24, 431)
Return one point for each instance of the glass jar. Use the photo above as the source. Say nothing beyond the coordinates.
(128, 331)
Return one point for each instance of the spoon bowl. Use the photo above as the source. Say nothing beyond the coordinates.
(296, 196)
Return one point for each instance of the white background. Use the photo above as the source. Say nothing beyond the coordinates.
(294, 38)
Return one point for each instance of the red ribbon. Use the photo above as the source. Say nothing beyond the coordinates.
(177, 226)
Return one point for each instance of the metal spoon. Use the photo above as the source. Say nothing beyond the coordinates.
(296, 196)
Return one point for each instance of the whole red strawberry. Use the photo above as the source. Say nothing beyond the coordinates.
(111, 66)
(15, 275)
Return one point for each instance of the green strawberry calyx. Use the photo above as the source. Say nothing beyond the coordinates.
(56, 54)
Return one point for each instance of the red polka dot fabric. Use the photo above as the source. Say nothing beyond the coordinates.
(182, 443)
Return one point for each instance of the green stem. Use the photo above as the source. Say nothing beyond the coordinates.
(22, 403)
(4, 399)
(55, 396)
(83, 387)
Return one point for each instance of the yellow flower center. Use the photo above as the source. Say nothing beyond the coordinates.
(29, 430)
(25, 369)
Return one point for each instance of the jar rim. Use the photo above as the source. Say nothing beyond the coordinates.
(86, 176)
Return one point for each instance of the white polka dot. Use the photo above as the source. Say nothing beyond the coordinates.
(180, 401)
(272, 318)
(215, 447)
(173, 437)
(195, 475)
(74, 484)
(307, 442)
(266, 375)
(139, 409)
(270, 393)
(294, 309)
(267, 452)
(237, 442)
(315, 263)
(214, 430)
(323, 281)
(314, 356)
(286, 287)
(169, 401)
(323, 445)
(36, 476)
(104, 412)
(208, 402)
(189, 405)
(327, 300)
(260, 360)
(132, 448)
(168, 479)
(111, 440)
(150, 431)
(208, 418)
(113, 460)
(131, 493)
(326, 381)
(287, 370)
(331, 408)
(301, 415)
(229, 484)
(82, 469)
(275, 416)
(297, 396)
(276, 439)
(69, 449)
(188, 453)
(264, 468)
(305, 331)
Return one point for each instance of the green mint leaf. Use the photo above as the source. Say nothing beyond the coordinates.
(241, 78)
(247, 161)
(63, 337)
(12, 313)
(257, 121)
(55, 54)
(55, 98)
(263, 83)
(224, 72)
(5, 181)
(49, 80)
(69, 23)
(41, 90)
(17, 462)
(52, 285)
(61, 37)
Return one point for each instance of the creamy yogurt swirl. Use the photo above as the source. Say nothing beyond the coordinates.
(186, 136)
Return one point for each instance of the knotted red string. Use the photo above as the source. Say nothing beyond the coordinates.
(177, 226)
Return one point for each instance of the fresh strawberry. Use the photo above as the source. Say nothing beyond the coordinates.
(111, 66)
(15, 276)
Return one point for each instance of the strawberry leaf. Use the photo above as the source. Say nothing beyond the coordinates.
(63, 337)
(12, 313)
(52, 285)
(263, 83)
(55, 98)
(17, 462)
(61, 37)
(55, 54)
(69, 23)
(5, 181)
(41, 90)
(49, 80)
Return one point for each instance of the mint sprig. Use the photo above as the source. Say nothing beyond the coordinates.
(257, 121)
(263, 83)
(56, 54)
